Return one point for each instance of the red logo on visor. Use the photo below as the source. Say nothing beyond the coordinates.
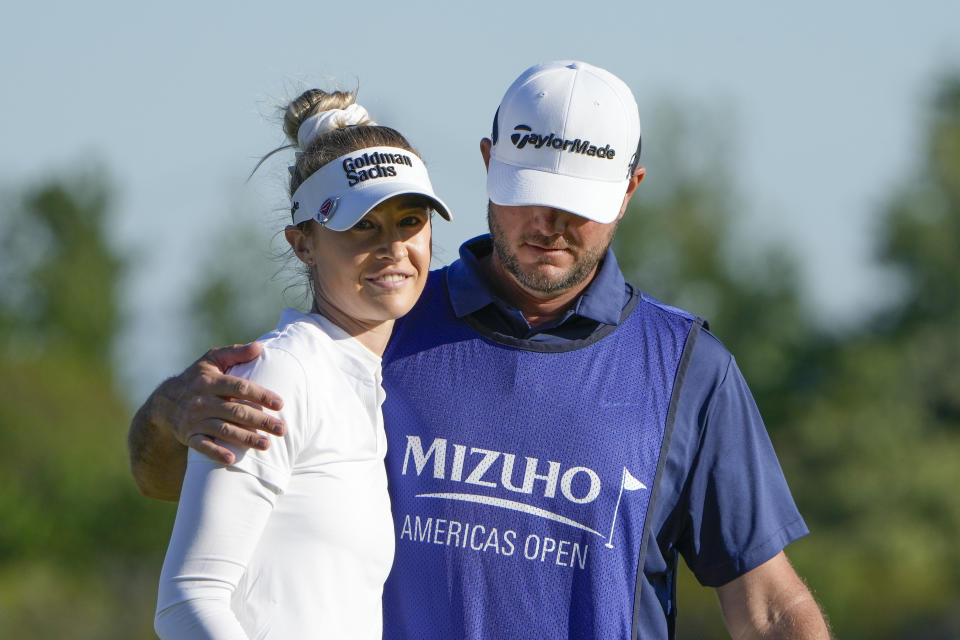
(326, 210)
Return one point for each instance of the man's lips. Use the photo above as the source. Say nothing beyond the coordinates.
(546, 248)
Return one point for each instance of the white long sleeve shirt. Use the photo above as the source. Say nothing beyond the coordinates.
(295, 541)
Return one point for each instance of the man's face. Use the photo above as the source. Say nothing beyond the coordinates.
(548, 252)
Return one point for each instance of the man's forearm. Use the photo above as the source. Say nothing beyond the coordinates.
(157, 458)
(801, 619)
(771, 601)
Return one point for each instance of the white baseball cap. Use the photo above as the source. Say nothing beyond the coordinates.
(567, 136)
(341, 192)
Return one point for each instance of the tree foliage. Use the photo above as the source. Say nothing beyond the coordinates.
(58, 274)
(882, 434)
(79, 547)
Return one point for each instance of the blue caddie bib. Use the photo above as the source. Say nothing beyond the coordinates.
(521, 473)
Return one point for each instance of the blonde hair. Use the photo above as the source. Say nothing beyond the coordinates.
(332, 144)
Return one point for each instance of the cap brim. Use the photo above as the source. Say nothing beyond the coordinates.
(592, 199)
(362, 201)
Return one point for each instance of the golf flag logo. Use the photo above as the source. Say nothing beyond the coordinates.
(629, 483)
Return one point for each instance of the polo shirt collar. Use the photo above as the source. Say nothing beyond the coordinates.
(602, 301)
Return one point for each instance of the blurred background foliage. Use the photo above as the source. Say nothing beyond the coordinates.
(865, 419)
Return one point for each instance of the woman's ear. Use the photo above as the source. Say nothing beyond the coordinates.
(299, 242)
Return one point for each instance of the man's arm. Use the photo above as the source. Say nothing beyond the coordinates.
(771, 601)
(192, 409)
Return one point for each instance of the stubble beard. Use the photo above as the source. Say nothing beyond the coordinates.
(538, 281)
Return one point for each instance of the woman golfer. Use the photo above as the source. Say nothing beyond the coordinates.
(297, 540)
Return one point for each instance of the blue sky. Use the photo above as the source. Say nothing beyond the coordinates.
(824, 99)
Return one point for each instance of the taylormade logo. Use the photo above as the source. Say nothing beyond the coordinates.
(373, 165)
(523, 135)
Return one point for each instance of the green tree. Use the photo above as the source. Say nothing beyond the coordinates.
(57, 271)
(80, 550)
(879, 444)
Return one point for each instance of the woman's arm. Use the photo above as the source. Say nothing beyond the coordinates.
(223, 512)
(221, 516)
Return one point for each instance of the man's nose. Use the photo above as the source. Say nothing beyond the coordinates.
(549, 221)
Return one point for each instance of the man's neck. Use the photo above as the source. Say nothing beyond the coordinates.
(537, 308)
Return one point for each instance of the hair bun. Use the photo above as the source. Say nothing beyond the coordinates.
(329, 120)
(313, 102)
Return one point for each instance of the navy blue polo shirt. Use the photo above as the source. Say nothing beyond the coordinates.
(723, 502)
(600, 304)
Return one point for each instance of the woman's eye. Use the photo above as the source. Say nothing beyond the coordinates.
(414, 220)
(363, 224)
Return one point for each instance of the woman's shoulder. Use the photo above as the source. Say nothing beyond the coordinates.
(299, 335)
(322, 351)
(294, 329)
(296, 357)
(290, 352)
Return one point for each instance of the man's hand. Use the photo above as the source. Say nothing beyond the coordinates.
(192, 409)
(771, 601)
(211, 404)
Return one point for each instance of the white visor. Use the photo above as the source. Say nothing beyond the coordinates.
(341, 192)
